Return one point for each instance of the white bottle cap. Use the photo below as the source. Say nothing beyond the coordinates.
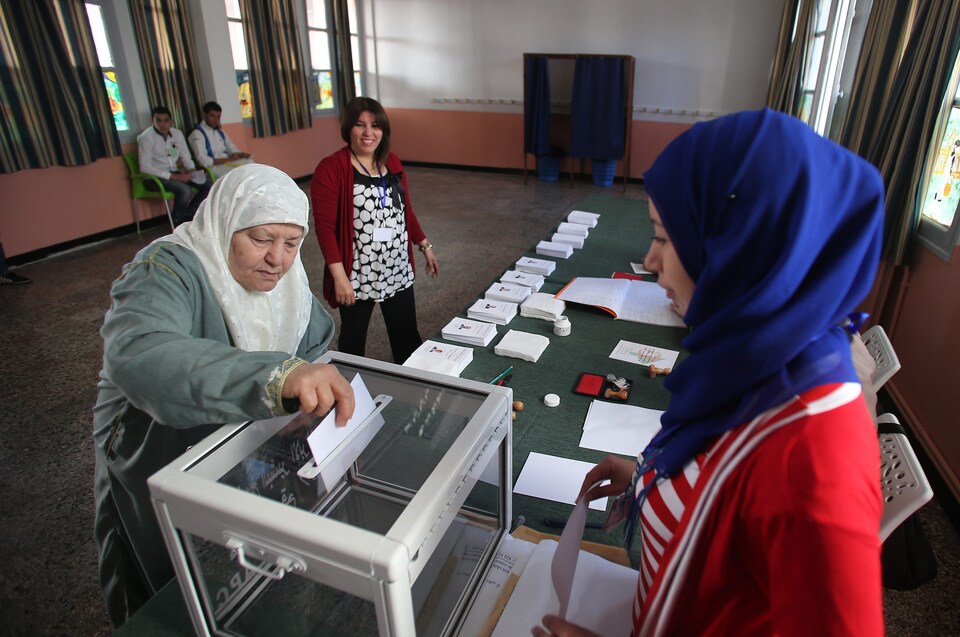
(551, 400)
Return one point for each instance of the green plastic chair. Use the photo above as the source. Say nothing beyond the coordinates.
(140, 191)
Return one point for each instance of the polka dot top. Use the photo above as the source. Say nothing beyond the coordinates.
(380, 268)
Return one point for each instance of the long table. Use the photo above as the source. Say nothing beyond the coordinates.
(622, 236)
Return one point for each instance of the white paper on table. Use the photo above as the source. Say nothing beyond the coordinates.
(327, 436)
(638, 268)
(574, 229)
(641, 354)
(617, 428)
(583, 218)
(601, 599)
(510, 559)
(554, 478)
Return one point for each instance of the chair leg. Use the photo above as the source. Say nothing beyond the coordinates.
(166, 204)
(136, 214)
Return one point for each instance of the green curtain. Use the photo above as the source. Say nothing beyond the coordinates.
(165, 41)
(785, 92)
(55, 107)
(894, 103)
(279, 92)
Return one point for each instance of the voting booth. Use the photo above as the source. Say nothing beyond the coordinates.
(392, 534)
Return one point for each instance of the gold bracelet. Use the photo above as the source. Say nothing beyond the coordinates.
(424, 249)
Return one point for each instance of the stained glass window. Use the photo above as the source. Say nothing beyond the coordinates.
(318, 37)
(105, 57)
(239, 49)
(943, 189)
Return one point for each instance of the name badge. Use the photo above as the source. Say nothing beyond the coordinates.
(383, 234)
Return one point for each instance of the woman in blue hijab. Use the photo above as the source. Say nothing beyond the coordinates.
(758, 502)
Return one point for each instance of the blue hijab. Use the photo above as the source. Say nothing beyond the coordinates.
(780, 230)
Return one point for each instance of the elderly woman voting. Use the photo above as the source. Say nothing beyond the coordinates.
(758, 503)
(367, 229)
(212, 324)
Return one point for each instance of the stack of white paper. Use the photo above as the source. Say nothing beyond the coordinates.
(469, 332)
(573, 228)
(442, 358)
(543, 306)
(552, 249)
(575, 241)
(513, 292)
(522, 345)
(536, 266)
(499, 312)
(584, 218)
(532, 281)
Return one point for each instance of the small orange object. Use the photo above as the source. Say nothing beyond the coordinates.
(610, 393)
(517, 405)
(658, 371)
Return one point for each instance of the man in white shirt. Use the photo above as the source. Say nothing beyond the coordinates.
(212, 147)
(163, 152)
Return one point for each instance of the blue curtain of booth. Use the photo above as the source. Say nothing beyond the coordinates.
(536, 106)
(596, 110)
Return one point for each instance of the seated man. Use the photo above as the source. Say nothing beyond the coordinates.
(163, 153)
(212, 147)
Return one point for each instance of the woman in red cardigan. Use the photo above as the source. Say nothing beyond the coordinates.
(367, 229)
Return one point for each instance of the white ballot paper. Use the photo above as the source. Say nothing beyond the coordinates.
(601, 598)
(335, 448)
(553, 478)
(618, 428)
(641, 354)
(573, 228)
(638, 268)
(584, 218)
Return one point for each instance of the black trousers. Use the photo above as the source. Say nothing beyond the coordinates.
(400, 316)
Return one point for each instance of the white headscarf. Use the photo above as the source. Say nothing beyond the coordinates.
(248, 196)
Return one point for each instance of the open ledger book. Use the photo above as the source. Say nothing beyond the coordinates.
(636, 301)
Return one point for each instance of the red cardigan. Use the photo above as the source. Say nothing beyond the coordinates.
(331, 191)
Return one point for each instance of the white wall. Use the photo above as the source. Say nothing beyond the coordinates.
(691, 55)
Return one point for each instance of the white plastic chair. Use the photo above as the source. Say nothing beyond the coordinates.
(882, 352)
(905, 487)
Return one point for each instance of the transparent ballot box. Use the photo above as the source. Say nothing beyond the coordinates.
(399, 545)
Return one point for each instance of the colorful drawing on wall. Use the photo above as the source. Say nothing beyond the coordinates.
(243, 92)
(116, 102)
(322, 91)
(943, 191)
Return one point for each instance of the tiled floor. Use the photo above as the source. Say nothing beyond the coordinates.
(51, 351)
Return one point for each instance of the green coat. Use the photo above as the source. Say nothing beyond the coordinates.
(171, 376)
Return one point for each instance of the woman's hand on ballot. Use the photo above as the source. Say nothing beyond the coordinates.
(318, 388)
(617, 470)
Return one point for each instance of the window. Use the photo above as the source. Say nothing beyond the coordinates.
(939, 195)
(825, 54)
(319, 42)
(240, 64)
(355, 46)
(107, 66)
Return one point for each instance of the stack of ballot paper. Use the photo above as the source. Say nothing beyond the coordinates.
(536, 266)
(532, 281)
(542, 306)
(553, 249)
(574, 240)
(522, 345)
(499, 312)
(584, 218)
(442, 358)
(469, 332)
(513, 292)
(575, 229)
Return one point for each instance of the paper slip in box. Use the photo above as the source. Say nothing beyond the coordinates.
(551, 249)
(573, 228)
(499, 312)
(584, 218)
(536, 266)
(442, 358)
(513, 292)
(575, 241)
(532, 281)
(469, 332)
(522, 345)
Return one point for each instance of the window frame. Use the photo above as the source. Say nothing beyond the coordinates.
(122, 68)
(330, 32)
(939, 240)
(826, 88)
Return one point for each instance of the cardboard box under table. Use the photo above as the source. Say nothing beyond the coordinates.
(398, 546)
